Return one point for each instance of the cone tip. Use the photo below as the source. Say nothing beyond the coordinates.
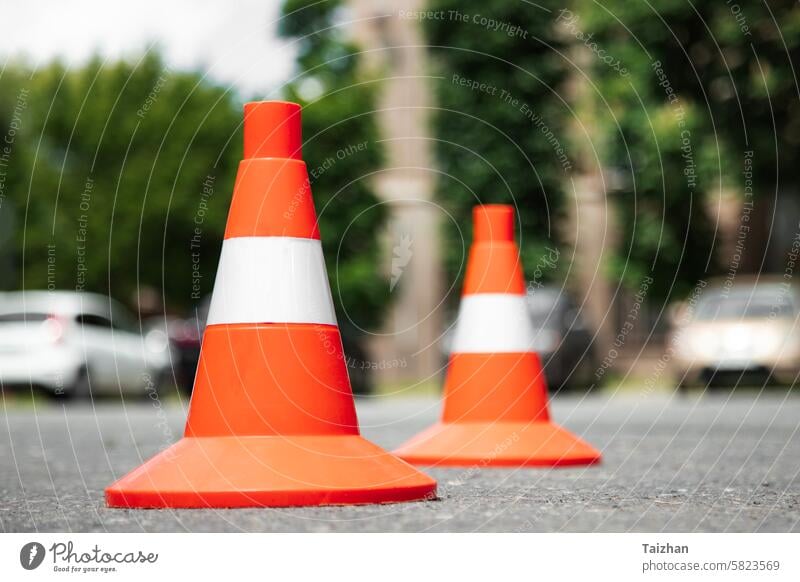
(493, 223)
(272, 129)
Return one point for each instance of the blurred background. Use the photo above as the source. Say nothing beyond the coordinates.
(649, 152)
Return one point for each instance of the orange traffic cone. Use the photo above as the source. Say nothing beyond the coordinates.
(272, 420)
(495, 396)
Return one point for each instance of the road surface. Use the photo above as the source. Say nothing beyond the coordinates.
(716, 462)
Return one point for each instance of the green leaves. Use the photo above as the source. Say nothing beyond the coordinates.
(500, 125)
(343, 152)
(682, 121)
(115, 154)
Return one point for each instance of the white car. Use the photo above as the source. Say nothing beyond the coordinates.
(76, 344)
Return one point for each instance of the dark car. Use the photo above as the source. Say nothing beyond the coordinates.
(184, 337)
(562, 339)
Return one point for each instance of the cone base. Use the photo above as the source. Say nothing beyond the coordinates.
(497, 444)
(270, 471)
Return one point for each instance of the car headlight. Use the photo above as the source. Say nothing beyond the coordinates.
(691, 343)
(772, 341)
(156, 341)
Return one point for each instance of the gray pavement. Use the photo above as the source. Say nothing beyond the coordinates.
(721, 462)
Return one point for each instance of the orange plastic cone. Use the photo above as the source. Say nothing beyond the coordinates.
(272, 420)
(495, 396)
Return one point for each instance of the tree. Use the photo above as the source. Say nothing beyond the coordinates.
(500, 123)
(686, 97)
(711, 92)
(342, 152)
(121, 175)
(107, 178)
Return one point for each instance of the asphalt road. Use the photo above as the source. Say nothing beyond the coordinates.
(722, 462)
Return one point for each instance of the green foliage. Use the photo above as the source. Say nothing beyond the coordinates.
(500, 120)
(712, 73)
(342, 152)
(729, 66)
(106, 177)
(123, 173)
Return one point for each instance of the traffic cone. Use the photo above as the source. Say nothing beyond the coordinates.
(495, 395)
(272, 420)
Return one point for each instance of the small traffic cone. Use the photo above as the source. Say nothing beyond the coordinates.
(495, 395)
(272, 420)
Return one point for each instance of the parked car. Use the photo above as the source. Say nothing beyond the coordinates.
(750, 327)
(185, 336)
(562, 339)
(75, 344)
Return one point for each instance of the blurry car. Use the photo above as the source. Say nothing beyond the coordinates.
(561, 338)
(185, 336)
(73, 344)
(750, 327)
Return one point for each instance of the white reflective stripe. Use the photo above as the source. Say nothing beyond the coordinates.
(493, 323)
(271, 279)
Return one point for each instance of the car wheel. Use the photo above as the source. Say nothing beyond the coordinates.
(580, 378)
(165, 386)
(586, 373)
(79, 389)
(684, 385)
